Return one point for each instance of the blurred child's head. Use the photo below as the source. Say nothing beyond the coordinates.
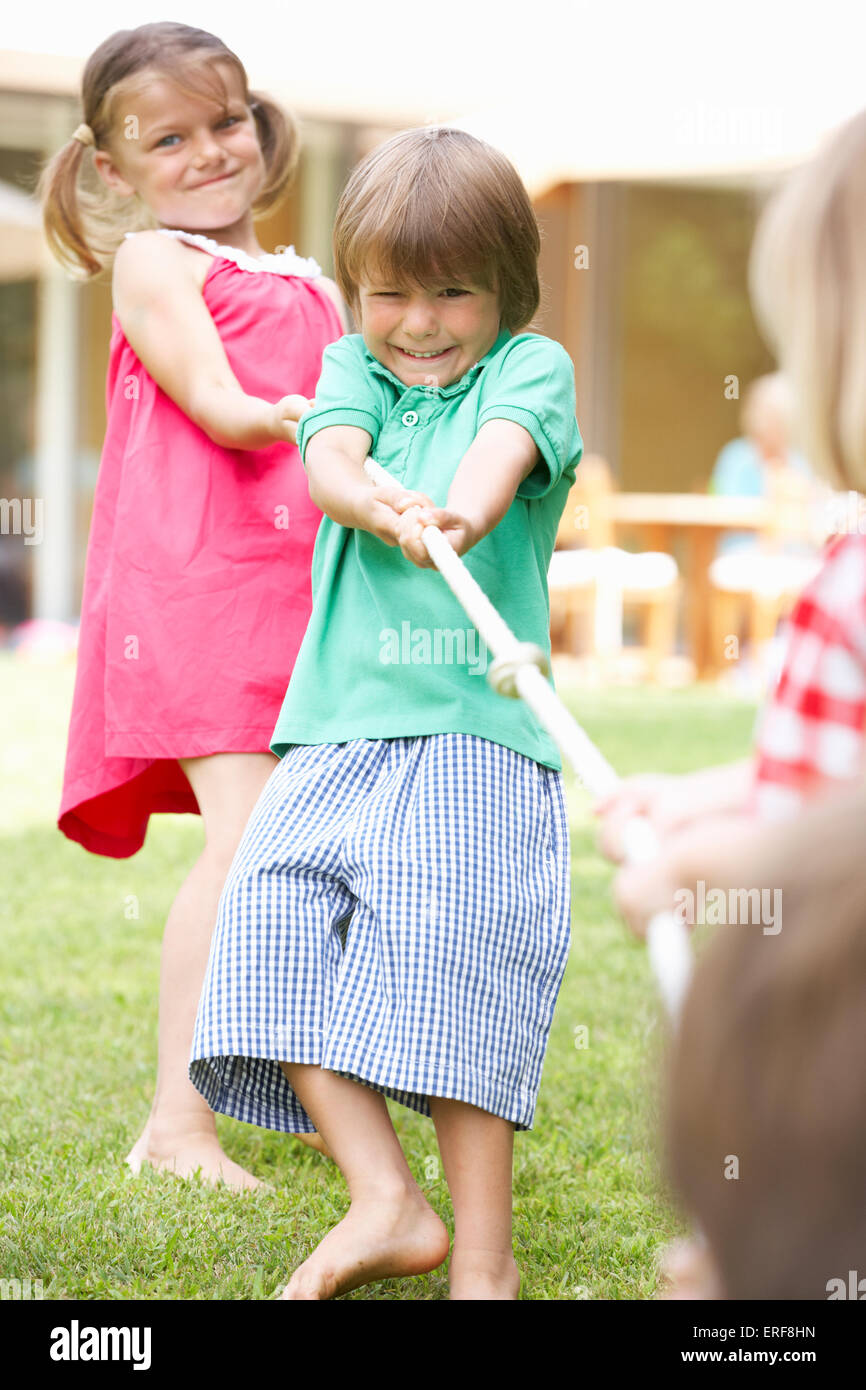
(436, 249)
(766, 1121)
(767, 412)
(170, 109)
(808, 285)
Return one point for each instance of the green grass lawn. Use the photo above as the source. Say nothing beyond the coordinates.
(78, 1053)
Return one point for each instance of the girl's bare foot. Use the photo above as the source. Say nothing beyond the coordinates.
(485, 1275)
(384, 1234)
(187, 1151)
(315, 1141)
(688, 1272)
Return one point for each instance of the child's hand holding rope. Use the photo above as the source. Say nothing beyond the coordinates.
(378, 510)
(457, 529)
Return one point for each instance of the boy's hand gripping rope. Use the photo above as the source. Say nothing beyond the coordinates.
(520, 669)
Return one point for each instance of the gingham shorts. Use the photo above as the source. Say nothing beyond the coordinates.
(398, 912)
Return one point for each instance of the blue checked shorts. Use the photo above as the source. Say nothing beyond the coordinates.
(398, 911)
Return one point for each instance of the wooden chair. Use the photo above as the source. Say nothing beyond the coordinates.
(591, 581)
(753, 588)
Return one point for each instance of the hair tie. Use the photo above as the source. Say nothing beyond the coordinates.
(84, 134)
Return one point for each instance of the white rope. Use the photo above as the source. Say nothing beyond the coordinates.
(518, 669)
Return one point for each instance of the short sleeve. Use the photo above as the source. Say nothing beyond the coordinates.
(346, 393)
(533, 385)
(736, 472)
(811, 729)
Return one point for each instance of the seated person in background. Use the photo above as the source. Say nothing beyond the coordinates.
(746, 466)
(808, 284)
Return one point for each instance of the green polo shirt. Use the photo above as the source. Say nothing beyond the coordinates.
(389, 652)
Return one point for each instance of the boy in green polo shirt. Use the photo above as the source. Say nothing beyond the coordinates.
(398, 911)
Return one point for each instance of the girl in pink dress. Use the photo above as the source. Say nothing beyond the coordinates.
(197, 586)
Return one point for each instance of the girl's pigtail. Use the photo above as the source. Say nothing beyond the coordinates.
(278, 137)
(58, 193)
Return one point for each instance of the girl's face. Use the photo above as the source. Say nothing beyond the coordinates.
(428, 336)
(193, 166)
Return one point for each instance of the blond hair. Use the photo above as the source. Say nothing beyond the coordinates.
(807, 278)
(85, 221)
(434, 206)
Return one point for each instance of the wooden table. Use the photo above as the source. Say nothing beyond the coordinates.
(702, 518)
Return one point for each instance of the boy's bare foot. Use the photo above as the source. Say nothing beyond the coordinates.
(189, 1152)
(484, 1275)
(383, 1235)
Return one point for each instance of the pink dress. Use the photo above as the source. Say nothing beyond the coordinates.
(197, 584)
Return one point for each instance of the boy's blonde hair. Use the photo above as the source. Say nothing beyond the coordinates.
(808, 284)
(438, 206)
(85, 221)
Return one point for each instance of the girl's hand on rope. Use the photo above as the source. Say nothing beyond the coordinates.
(286, 414)
(459, 531)
(642, 890)
(714, 848)
(663, 799)
(671, 802)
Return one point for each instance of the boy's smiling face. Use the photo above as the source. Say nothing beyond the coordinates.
(427, 335)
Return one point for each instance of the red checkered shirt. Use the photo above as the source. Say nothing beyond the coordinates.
(810, 733)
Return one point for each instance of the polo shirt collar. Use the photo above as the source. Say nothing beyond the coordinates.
(456, 387)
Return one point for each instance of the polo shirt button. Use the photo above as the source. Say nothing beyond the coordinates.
(410, 417)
